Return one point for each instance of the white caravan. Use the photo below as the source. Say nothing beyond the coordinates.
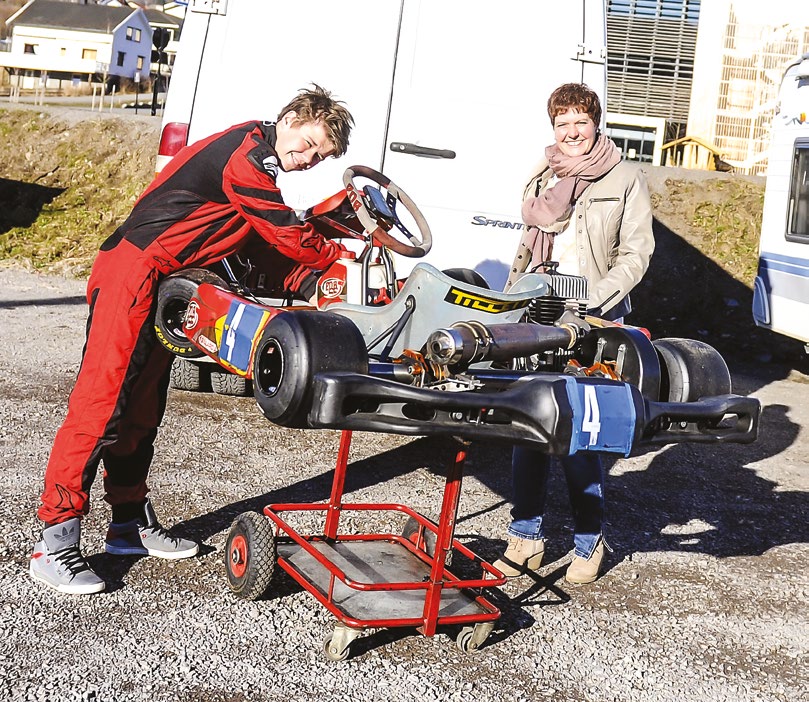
(781, 289)
(449, 98)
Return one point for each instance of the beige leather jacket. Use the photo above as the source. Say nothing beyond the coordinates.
(614, 239)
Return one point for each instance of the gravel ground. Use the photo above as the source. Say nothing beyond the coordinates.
(704, 597)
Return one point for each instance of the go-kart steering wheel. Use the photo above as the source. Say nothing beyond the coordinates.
(364, 201)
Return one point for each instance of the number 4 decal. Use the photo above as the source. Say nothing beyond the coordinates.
(592, 415)
(230, 335)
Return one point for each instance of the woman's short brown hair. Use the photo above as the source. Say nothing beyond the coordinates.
(318, 105)
(576, 96)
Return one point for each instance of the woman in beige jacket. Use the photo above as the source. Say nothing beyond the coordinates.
(590, 212)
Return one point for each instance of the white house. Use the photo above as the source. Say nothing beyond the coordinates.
(53, 41)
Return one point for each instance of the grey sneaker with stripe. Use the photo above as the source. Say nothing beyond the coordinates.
(144, 536)
(58, 562)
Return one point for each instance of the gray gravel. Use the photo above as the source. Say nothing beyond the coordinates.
(705, 597)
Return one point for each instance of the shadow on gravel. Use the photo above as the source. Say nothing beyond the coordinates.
(702, 499)
(686, 294)
(21, 203)
(44, 301)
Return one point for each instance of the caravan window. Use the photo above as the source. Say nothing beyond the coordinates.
(798, 212)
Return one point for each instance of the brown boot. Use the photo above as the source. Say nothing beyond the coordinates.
(520, 556)
(585, 570)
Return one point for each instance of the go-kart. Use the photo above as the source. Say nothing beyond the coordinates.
(440, 353)
(435, 353)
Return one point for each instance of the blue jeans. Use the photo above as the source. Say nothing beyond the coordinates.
(585, 483)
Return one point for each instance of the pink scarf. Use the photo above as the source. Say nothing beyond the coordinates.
(575, 174)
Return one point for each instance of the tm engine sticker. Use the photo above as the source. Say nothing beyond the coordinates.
(603, 417)
(241, 327)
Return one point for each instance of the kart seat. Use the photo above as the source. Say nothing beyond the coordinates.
(440, 301)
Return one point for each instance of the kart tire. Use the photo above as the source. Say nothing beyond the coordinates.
(250, 555)
(293, 349)
(173, 295)
(690, 369)
(467, 275)
(224, 383)
(187, 375)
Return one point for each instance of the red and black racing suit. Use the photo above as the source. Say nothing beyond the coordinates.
(198, 210)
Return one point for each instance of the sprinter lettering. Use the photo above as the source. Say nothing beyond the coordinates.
(481, 221)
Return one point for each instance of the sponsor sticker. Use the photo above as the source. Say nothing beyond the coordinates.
(192, 315)
(479, 302)
(206, 344)
(332, 287)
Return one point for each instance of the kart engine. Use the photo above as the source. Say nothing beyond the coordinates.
(566, 293)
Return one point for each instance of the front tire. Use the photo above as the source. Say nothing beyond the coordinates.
(294, 348)
(173, 295)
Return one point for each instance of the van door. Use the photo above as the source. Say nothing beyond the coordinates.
(243, 60)
(471, 86)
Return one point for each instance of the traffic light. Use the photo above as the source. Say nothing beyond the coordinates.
(160, 38)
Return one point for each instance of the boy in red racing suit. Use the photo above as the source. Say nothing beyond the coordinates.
(198, 210)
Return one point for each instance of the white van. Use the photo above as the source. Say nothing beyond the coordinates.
(781, 288)
(449, 98)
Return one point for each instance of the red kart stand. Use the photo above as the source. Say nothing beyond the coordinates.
(378, 580)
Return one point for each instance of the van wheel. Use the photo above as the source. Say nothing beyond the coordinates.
(187, 375)
(294, 347)
(173, 295)
(224, 383)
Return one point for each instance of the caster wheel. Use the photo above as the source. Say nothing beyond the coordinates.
(332, 650)
(465, 640)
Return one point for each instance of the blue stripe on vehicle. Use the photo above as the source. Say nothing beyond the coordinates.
(784, 276)
(603, 416)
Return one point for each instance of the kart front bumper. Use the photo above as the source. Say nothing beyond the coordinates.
(558, 414)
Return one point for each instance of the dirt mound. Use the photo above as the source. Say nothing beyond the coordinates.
(70, 176)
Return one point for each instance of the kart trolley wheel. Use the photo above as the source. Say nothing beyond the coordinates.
(293, 349)
(250, 555)
(173, 296)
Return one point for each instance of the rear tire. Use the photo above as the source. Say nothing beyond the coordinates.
(294, 347)
(467, 275)
(690, 369)
(173, 295)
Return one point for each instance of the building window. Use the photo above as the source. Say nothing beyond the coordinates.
(63, 51)
(121, 56)
(30, 49)
(133, 34)
(139, 64)
(798, 203)
(89, 54)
